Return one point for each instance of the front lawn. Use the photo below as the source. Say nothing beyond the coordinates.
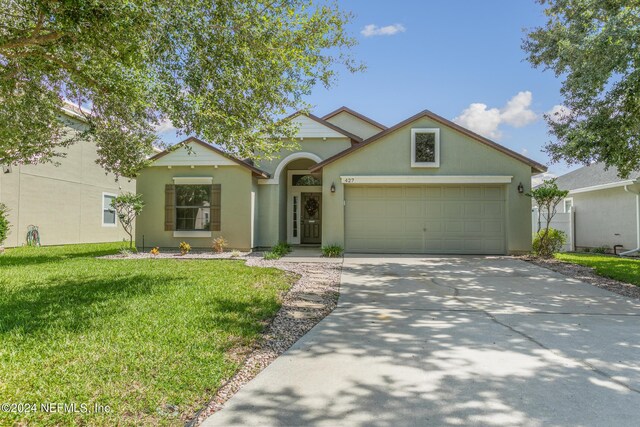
(151, 339)
(623, 269)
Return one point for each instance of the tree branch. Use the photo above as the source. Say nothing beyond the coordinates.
(31, 40)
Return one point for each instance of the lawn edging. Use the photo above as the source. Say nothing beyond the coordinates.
(308, 301)
(586, 274)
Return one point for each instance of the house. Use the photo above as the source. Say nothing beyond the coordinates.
(69, 202)
(601, 207)
(424, 185)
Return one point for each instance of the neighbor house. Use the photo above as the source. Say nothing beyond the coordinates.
(69, 202)
(601, 209)
(424, 185)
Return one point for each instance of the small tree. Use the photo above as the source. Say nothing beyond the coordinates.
(128, 206)
(547, 197)
(4, 223)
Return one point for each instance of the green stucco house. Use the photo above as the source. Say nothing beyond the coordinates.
(424, 185)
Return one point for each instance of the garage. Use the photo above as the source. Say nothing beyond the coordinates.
(434, 219)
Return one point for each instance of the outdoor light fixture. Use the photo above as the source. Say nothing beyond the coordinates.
(333, 187)
(520, 188)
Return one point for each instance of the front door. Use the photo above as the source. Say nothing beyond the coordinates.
(311, 217)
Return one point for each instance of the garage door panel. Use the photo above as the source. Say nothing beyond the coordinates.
(425, 219)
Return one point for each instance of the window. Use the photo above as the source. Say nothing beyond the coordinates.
(305, 180)
(425, 148)
(193, 207)
(108, 213)
(568, 204)
(295, 216)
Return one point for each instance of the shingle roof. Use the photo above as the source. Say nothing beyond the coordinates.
(592, 175)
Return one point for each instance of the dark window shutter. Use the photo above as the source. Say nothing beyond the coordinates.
(215, 207)
(169, 207)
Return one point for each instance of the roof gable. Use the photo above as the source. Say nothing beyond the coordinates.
(362, 117)
(535, 166)
(199, 153)
(314, 127)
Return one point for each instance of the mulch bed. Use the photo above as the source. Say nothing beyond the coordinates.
(588, 275)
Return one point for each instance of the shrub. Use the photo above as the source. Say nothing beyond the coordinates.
(548, 242)
(155, 251)
(4, 223)
(282, 248)
(128, 206)
(235, 253)
(332, 251)
(185, 248)
(272, 255)
(219, 243)
(600, 250)
(587, 250)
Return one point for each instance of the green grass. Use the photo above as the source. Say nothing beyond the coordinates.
(623, 269)
(153, 339)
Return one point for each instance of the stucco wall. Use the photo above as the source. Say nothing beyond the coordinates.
(64, 201)
(317, 146)
(459, 155)
(354, 125)
(235, 221)
(605, 218)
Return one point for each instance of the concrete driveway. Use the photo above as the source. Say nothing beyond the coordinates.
(455, 341)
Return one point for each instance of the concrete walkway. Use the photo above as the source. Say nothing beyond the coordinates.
(421, 341)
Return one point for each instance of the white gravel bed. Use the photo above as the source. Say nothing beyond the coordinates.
(588, 275)
(308, 301)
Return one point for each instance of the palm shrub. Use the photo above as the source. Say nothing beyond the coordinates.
(332, 251)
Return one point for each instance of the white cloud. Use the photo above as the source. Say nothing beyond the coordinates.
(486, 121)
(558, 113)
(389, 30)
(165, 126)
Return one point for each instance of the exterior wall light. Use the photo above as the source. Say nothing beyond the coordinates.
(333, 187)
(520, 188)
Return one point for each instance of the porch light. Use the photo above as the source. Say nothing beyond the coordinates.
(520, 188)
(333, 187)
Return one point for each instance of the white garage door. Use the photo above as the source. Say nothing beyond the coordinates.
(425, 219)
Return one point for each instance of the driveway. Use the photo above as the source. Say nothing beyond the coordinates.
(455, 341)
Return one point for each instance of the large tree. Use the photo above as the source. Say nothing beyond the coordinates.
(225, 70)
(594, 45)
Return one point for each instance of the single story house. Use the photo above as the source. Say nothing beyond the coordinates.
(605, 207)
(424, 185)
(69, 202)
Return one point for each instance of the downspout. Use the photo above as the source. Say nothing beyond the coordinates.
(637, 249)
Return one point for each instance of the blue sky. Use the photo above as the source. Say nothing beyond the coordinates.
(458, 58)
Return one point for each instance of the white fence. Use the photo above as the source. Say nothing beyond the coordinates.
(563, 221)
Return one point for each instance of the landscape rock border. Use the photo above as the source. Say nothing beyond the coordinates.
(309, 300)
(586, 274)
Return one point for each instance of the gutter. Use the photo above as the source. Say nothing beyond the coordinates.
(637, 249)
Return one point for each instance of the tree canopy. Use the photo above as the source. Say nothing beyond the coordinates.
(594, 46)
(224, 70)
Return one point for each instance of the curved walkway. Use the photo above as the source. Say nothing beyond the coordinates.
(455, 341)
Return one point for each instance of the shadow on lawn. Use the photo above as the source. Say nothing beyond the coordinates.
(48, 254)
(69, 304)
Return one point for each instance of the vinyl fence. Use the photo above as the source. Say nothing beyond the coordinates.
(563, 221)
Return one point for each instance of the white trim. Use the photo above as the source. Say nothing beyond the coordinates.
(195, 233)
(415, 164)
(426, 179)
(603, 186)
(180, 180)
(283, 164)
(115, 219)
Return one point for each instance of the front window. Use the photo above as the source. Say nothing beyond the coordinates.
(108, 212)
(193, 207)
(425, 148)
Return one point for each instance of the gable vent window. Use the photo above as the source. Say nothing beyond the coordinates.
(425, 148)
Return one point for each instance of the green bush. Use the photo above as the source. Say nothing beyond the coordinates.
(272, 255)
(546, 246)
(4, 223)
(600, 250)
(281, 248)
(332, 251)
